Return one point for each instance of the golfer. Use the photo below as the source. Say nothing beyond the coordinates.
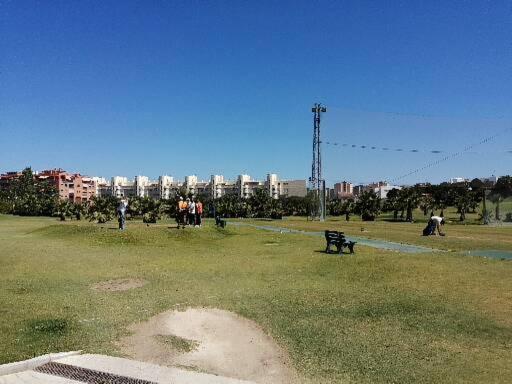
(121, 214)
(438, 221)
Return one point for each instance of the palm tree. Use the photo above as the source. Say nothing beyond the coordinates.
(261, 203)
(312, 204)
(496, 199)
(427, 204)
(501, 190)
(294, 205)
(463, 202)
(63, 209)
(368, 205)
(77, 209)
(412, 199)
(335, 207)
(102, 209)
(440, 195)
(348, 208)
(134, 207)
(393, 202)
(150, 210)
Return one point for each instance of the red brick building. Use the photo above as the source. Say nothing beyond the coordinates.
(5, 178)
(71, 186)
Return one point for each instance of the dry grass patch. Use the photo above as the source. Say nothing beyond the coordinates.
(118, 285)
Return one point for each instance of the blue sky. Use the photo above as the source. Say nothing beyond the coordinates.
(195, 87)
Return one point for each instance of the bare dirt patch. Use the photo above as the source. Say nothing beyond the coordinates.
(224, 344)
(118, 285)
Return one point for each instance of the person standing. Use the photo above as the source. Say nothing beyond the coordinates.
(199, 212)
(121, 214)
(191, 211)
(181, 215)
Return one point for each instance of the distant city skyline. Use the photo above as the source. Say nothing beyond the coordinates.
(227, 87)
(183, 179)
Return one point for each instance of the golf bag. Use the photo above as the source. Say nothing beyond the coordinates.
(430, 228)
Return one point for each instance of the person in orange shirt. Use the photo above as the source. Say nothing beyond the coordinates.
(199, 212)
(181, 215)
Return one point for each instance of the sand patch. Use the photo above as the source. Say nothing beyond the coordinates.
(223, 343)
(118, 285)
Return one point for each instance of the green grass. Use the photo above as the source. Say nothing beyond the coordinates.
(375, 317)
(458, 237)
(177, 343)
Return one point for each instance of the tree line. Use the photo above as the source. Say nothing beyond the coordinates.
(29, 196)
(466, 197)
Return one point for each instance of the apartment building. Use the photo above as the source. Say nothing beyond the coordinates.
(6, 178)
(196, 187)
(166, 187)
(343, 190)
(78, 188)
(246, 186)
(70, 186)
(381, 188)
(219, 187)
(284, 188)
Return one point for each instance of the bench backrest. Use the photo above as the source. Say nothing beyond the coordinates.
(334, 236)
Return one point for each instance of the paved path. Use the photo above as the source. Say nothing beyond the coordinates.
(381, 244)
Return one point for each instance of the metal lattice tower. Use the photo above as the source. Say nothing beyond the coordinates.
(317, 183)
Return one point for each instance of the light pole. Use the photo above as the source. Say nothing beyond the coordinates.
(317, 183)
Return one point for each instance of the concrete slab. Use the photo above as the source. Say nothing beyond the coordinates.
(31, 377)
(27, 365)
(145, 371)
(23, 372)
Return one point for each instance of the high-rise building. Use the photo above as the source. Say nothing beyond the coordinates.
(343, 190)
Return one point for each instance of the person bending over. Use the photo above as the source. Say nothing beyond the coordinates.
(438, 221)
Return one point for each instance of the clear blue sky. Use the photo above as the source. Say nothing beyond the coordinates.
(201, 87)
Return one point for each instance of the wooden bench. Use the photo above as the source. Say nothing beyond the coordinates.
(220, 222)
(339, 240)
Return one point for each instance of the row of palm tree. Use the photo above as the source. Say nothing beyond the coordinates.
(27, 195)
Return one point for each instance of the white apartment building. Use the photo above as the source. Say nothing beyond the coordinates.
(382, 190)
(455, 180)
(246, 186)
(219, 187)
(98, 183)
(166, 187)
(277, 188)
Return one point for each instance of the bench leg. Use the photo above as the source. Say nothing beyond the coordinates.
(351, 247)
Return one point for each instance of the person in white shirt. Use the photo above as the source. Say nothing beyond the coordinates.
(121, 214)
(438, 221)
(191, 212)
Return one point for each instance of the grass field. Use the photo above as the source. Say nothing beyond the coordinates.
(374, 317)
(458, 237)
(451, 214)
